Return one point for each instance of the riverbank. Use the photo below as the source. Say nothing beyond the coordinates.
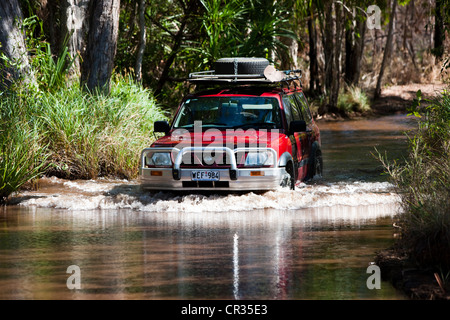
(412, 265)
(416, 283)
(394, 99)
(397, 98)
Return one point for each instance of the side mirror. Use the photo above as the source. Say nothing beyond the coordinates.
(297, 126)
(161, 126)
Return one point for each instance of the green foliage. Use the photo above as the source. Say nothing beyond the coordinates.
(51, 72)
(211, 29)
(268, 25)
(238, 28)
(221, 24)
(424, 185)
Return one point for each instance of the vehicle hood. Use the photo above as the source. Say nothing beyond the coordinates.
(227, 138)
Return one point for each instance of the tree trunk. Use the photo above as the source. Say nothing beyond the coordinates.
(328, 46)
(142, 41)
(387, 50)
(98, 62)
(288, 58)
(354, 47)
(177, 44)
(75, 26)
(336, 68)
(46, 13)
(12, 45)
(314, 85)
(439, 34)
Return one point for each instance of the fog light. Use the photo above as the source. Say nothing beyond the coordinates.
(256, 173)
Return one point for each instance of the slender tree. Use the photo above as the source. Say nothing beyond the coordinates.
(314, 83)
(101, 48)
(387, 50)
(439, 32)
(190, 8)
(328, 44)
(142, 41)
(354, 45)
(332, 43)
(336, 57)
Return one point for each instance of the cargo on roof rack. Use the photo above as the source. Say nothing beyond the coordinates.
(244, 71)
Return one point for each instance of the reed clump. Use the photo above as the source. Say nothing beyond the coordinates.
(23, 154)
(70, 133)
(91, 135)
(353, 99)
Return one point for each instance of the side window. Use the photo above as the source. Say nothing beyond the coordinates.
(288, 110)
(304, 107)
(295, 109)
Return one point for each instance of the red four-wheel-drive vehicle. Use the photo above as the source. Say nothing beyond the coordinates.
(250, 130)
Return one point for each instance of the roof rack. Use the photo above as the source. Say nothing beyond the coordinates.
(210, 77)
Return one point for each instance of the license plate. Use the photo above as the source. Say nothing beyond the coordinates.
(205, 175)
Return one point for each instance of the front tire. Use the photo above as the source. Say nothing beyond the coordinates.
(288, 180)
(316, 165)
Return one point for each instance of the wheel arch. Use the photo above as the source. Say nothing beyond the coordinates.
(284, 159)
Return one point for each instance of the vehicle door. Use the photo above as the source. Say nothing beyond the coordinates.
(306, 114)
(299, 139)
(311, 130)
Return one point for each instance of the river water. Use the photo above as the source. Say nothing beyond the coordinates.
(315, 242)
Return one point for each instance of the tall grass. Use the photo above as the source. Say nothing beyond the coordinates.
(353, 99)
(22, 153)
(96, 135)
(72, 134)
(423, 182)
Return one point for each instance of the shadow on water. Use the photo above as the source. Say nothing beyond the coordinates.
(17, 200)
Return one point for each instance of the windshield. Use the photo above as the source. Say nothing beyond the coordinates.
(230, 112)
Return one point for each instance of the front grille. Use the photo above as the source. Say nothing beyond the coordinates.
(222, 161)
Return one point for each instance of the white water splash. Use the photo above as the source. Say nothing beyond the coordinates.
(120, 194)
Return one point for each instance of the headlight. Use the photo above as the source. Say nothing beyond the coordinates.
(159, 159)
(259, 159)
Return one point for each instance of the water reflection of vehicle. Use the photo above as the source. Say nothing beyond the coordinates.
(250, 133)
